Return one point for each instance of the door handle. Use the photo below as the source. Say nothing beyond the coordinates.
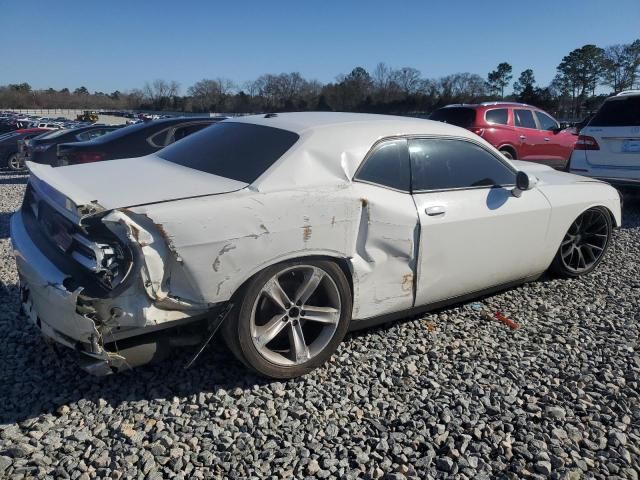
(546, 139)
(435, 210)
(522, 137)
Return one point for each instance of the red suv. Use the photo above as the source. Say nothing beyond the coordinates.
(518, 130)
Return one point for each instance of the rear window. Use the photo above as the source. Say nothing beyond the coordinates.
(240, 151)
(459, 116)
(618, 112)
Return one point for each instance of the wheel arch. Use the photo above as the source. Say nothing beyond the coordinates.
(342, 262)
(511, 150)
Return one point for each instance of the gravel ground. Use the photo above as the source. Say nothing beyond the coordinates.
(449, 394)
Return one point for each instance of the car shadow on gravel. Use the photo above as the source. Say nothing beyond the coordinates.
(11, 178)
(36, 379)
(5, 220)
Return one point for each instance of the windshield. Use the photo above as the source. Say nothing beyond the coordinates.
(459, 116)
(240, 151)
(618, 112)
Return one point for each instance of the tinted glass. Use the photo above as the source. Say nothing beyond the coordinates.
(459, 116)
(524, 118)
(54, 134)
(159, 139)
(182, 132)
(444, 164)
(240, 151)
(499, 115)
(91, 134)
(546, 122)
(618, 112)
(388, 165)
(8, 136)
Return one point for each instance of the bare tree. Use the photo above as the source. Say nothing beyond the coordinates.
(211, 94)
(408, 79)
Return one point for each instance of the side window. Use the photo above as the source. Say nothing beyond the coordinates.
(159, 140)
(91, 134)
(182, 132)
(546, 122)
(524, 118)
(439, 164)
(498, 115)
(388, 165)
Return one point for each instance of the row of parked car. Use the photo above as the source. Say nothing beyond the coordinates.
(94, 142)
(607, 146)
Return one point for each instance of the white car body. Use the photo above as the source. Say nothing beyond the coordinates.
(609, 149)
(200, 237)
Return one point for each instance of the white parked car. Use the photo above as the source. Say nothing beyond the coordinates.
(49, 126)
(288, 230)
(608, 148)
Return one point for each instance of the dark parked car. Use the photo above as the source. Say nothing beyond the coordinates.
(9, 157)
(132, 141)
(11, 125)
(44, 148)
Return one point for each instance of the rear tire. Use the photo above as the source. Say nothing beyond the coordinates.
(290, 318)
(584, 245)
(14, 163)
(508, 154)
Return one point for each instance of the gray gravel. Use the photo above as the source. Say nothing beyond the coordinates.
(450, 394)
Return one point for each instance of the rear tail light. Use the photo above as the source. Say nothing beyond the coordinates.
(86, 157)
(586, 143)
(477, 131)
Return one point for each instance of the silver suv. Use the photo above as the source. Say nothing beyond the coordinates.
(608, 148)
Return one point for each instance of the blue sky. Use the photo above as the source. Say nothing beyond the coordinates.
(121, 44)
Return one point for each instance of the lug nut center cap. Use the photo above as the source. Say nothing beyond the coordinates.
(294, 312)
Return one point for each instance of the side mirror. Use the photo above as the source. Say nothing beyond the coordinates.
(524, 182)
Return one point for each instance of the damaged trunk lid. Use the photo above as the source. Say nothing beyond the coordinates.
(129, 182)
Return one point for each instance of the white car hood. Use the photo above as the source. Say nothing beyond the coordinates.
(549, 176)
(131, 181)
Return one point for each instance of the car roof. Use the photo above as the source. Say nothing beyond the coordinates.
(378, 125)
(624, 93)
(333, 144)
(491, 104)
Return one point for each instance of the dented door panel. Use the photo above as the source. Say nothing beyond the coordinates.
(384, 259)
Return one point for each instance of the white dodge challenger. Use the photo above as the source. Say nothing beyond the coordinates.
(287, 230)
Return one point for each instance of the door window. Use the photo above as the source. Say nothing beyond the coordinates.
(187, 130)
(91, 134)
(159, 140)
(524, 118)
(546, 122)
(497, 115)
(443, 164)
(388, 166)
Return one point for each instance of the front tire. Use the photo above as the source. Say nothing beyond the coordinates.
(291, 317)
(584, 244)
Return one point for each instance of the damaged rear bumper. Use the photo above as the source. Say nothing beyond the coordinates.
(50, 306)
(53, 303)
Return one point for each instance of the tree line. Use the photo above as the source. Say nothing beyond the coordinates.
(572, 93)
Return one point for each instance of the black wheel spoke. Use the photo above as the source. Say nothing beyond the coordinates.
(584, 243)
